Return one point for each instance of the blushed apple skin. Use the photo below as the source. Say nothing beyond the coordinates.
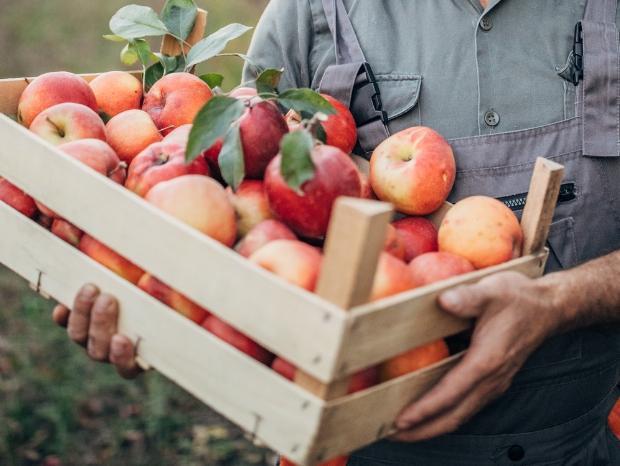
(175, 100)
(51, 89)
(235, 338)
(394, 243)
(261, 234)
(392, 277)
(340, 128)
(418, 234)
(117, 92)
(308, 214)
(68, 122)
(414, 170)
(436, 266)
(66, 231)
(482, 230)
(110, 259)
(130, 132)
(414, 360)
(160, 162)
(251, 205)
(17, 199)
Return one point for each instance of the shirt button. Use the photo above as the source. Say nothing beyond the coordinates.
(486, 24)
(491, 118)
(516, 453)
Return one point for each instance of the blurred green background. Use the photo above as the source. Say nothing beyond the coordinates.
(56, 406)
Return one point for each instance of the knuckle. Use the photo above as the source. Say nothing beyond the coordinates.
(96, 351)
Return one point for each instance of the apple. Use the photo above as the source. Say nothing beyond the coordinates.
(173, 299)
(130, 132)
(110, 259)
(179, 135)
(284, 368)
(392, 277)
(237, 339)
(251, 205)
(261, 127)
(68, 122)
(308, 212)
(44, 220)
(261, 234)
(418, 234)
(200, 202)
(340, 461)
(50, 89)
(340, 128)
(482, 230)
(394, 244)
(413, 360)
(67, 231)
(296, 262)
(159, 162)
(436, 266)
(243, 93)
(414, 170)
(17, 199)
(97, 155)
(117, 92)
(175, 100)
(614, 419)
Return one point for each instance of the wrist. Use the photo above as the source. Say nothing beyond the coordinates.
(559, 302)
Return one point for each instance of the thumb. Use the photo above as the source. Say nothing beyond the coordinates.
(464, 301)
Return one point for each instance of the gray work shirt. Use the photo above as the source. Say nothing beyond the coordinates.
(438, 64)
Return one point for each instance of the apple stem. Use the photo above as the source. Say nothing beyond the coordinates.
(61, 133)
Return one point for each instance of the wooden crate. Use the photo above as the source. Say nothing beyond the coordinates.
(328, 335)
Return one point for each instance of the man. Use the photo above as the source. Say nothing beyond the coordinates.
(506, 82)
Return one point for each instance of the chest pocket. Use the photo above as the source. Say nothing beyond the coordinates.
(400, 95)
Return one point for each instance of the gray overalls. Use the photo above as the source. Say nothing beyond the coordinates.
(555, 412)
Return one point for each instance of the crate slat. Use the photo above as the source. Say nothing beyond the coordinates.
(285, 318)
(245, 391)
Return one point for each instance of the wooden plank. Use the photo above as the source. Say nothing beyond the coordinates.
(363, 418)
(540, 205)
(288, 320)
(354, 242)
(11, 90)
(250, 394)
(171, 46)
(386, 328)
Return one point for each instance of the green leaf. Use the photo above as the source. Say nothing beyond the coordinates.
(232, 164)
(305, 100)
(268, 80)
(114, 38)
(136, 21)
(170, 64)
(213, 44)
(143, 51)
(153, 74)
(179, 17)
(212, 123)
(129, 55)
(213, 79)
(296, 166)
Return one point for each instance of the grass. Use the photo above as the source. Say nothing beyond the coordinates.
(56, 406)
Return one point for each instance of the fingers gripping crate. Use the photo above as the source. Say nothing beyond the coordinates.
(328, 335)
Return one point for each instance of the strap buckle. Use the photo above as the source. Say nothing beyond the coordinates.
(366, 103)
(577, 74)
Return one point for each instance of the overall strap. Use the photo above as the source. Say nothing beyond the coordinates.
(599, 107)
(352, 81)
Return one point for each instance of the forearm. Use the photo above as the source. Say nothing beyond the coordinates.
(586, 295)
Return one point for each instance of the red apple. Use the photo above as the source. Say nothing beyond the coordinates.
(308, 213)
(296, 262)
(436, 266)
(50, 89)
(175, 100)
(262, 127)
(67, 231)
(171, 298)
(237, 339)
(414, 170)
(117, 92)
(340, 128)
(413, 360)
(16, 198)
(482, 230)
(243, 93)
(340, 461)
(418, 234)
(394, 244)
(251, 205)
(200, 202)
(284, 368)
(130, 132)
(179, 135)
(159, 162)
(110, 259)
(392, 277)
(68, 122)
(261, 234)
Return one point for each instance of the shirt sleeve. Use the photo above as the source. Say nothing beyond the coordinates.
(283, 39)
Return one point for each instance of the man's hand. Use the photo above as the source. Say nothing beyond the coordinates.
(514, 315)
(92, 324)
